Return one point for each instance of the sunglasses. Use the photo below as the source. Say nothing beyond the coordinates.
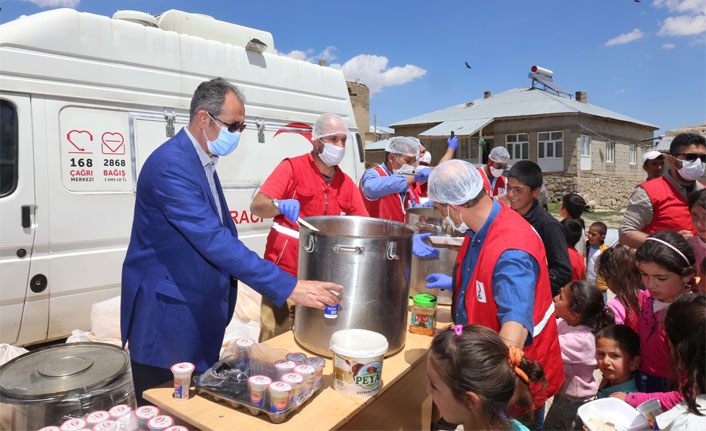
(692, 156)
(233, 127)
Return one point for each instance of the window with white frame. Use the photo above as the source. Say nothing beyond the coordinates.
(518, 146)
(585, 146)
(633, 154)
(610, 151)
(550, 145)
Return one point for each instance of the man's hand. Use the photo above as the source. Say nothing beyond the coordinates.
(316, 294)
(452, 143)
(421, 175)
(439, 281)
(420, 248)
(290, 209)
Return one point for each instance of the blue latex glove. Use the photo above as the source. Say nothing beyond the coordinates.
(439, 281)
(290, 209)
(421, 175)
(420, 248)
(452, 143)
(427, 204)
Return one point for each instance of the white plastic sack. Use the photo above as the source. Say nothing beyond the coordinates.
(9, 352)
(105, 319)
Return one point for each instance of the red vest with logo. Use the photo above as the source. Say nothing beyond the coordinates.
(316, 198)
(669, 209)
(390, 207)
(500, 187)
(509, 231)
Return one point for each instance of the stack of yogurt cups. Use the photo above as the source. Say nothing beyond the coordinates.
(297, 377)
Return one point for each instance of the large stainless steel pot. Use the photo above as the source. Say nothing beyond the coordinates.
(431, 220)
(371, 259)
(49, 385)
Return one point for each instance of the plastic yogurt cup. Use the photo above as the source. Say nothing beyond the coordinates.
(318, 364)
(258, 385)
(283, 367)
(73, 425)
(119, 411)
(106, 426)
(244, 343)
(279, 396)
(296, 357)
(177, 428)
(50, 428)
(308, 373)
(295, 381)
(144, 414)
(182, 380)
(159, 423)
(96, 417)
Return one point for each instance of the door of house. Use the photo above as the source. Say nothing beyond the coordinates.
(585, 144)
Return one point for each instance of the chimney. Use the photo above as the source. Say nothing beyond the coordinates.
(582, 96)
(322, 62)
(487, 94)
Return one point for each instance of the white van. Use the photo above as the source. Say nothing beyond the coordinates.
(84, 99)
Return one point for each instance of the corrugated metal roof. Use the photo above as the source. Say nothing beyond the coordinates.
(381, 130)
(513, 103)
(379, 145)
(460, 127)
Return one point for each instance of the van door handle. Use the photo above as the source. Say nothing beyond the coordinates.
(26, 220)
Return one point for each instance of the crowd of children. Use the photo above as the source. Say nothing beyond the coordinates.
(648, 341)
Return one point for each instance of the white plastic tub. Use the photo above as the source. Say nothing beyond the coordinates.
(357, 361)
(619, 413)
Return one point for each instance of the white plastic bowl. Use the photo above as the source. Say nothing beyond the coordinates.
(620, 413)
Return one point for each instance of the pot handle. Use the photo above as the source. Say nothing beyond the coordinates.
(391, 253)
(339, 248)
(310, 244)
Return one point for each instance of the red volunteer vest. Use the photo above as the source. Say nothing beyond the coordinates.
(316, 198)
(509, 231)
(389, 207)
(500, 184)
(669, 209)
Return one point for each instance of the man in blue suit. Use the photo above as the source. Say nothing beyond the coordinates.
(180, 274)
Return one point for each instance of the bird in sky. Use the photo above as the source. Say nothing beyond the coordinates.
(467, 65)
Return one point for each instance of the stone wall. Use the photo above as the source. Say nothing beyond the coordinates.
(360, 100)
(600, 191)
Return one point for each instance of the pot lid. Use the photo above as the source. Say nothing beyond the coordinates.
(61, 369)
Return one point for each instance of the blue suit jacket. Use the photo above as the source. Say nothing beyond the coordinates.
(179, 276)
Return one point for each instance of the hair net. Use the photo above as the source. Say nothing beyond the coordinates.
(329, 125)
(499, 154)
(454, 182)
(403, 145)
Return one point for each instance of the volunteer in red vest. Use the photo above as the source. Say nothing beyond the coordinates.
(494, 183)
(500, 279)
(387, 188)
(661, 203)
(305, 186)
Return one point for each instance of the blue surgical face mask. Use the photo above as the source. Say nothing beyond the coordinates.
(224, 144)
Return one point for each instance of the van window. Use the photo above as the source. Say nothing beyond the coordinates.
(8, 148)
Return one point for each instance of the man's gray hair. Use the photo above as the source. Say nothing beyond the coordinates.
(210, 96)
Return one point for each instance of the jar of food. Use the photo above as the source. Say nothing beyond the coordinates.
(423, 314)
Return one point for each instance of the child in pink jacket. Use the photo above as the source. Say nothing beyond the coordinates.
(581, 312)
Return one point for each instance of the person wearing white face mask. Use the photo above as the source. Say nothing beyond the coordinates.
(388, 188)
(500, 279)
(494, 183)
(184, 260)
(304, 186)
(661, 203)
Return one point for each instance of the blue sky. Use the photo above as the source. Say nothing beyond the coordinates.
(643, 59)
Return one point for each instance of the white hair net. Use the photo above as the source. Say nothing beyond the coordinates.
(454, 182)
(329, 125)
(403, 145)
(499, 154)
